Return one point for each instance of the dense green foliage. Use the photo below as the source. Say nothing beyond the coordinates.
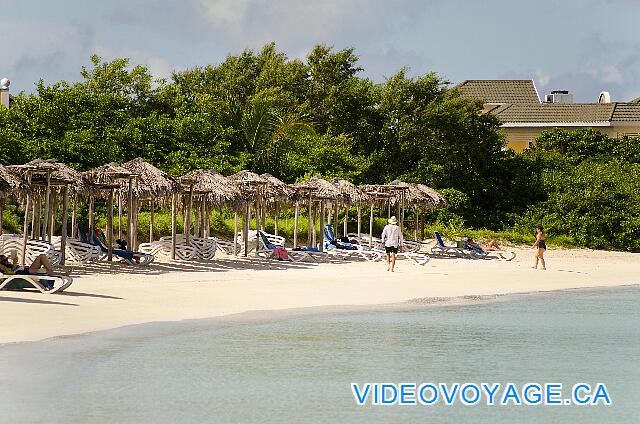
(588, 188)
(294, 118)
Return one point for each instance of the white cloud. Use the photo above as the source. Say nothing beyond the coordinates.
(224, 12)
(542, 78)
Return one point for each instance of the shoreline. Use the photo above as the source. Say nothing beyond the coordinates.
(229, 287)
(313, 311)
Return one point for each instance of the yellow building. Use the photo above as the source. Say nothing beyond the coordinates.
(517, 104)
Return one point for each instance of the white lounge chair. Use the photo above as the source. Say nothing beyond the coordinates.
(35, 248)
(37, 281)
(77, 251)
(162, 248)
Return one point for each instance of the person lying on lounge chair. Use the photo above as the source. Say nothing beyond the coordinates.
(492, 245)
(42, 261)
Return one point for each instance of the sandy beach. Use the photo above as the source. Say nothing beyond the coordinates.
(106, 296)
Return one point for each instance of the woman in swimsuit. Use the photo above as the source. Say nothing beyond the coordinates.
(540, 245)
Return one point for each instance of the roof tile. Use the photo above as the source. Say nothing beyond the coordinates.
(500, 91)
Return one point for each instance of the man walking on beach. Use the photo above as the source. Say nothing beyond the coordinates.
(392, 240)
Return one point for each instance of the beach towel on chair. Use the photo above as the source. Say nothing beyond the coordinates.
(281, 253)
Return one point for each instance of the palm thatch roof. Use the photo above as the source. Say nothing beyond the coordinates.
(247, 177)
(58, 173)
(352, 192)
(439, 200)
(110, 173)
(383, 192)
(214, 188)
(151, 182)
(277, 190)
(413, 196)
(321, 189)
(11, 184)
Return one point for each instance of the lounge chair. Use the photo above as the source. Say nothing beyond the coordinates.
(44, 283)
(269, 249)
(132, 258)
(162, 249)
(76, 250)
(410, 249)
(480, 253)
(345, 250)
(441, 248)
(198, 247)
(10, 242)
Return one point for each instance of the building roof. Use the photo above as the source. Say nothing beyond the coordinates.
(500, 91)
(626, 112)
(555, 112)
(583, 113)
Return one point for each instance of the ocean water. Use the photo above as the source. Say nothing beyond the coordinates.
(298, 368)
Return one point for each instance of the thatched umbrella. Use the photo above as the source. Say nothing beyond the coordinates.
(382, 193)
(106, 179)
(10, 185)
(212, 190)
(322, 191)
(151, 184)
(420, 197)
(355, 195)
(277, 192)
(50, 175)
(439, 200)
(254, 187)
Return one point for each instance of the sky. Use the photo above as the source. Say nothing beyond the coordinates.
(584, 46)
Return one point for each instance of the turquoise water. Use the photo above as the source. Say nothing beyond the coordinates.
(298, 369)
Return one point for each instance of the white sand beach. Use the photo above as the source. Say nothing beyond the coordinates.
(106, 296)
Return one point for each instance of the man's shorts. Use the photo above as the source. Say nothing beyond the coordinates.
(391, 249)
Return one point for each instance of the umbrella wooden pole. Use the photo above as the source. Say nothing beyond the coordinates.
(91, 217)
(151, 223)
(422, 227)
(235, 233)
(74, 213)
(346, 220)
(295, 225)
(63, 233)
(329, 215)
(196, 220)
(110, 226)
(276, 216)
(371, 226)
(25, 229)
(359, 221)
(119, 214)
(309, 218)
(188, 219)
(130, 212)
(336, 235)
(136, 212)
(45, 224)
(401, 211)
(322, 211)
(245, 229)
(415, 228)
(203, 212)
(258, 219)
(313, 217)
(51, 219)
(207, 220)
(1, 214)
(389, 209)
(174, 223)
(35, 220)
